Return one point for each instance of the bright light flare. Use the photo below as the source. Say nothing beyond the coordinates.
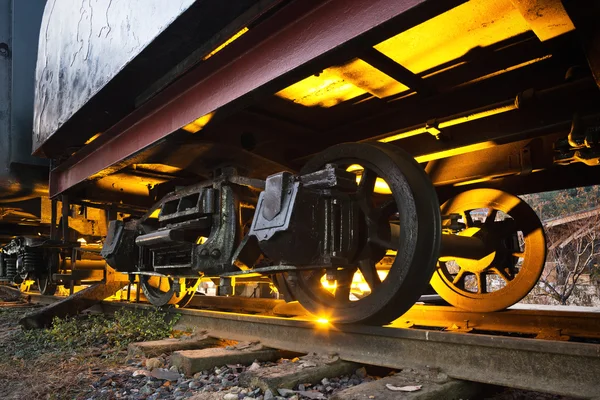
(327, 284)
(359, 285)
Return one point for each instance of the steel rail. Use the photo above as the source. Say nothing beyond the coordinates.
(535, 321)
(558, 367)
(541, 322)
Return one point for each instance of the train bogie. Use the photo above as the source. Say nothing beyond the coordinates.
(352, 158)
(356, 211)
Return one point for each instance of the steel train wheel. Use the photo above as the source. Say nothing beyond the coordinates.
(282, 286)
(46, 284)
(160, 290)
(410, 209)
(504, 277)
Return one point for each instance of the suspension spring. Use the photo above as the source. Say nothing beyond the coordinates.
(11, 268)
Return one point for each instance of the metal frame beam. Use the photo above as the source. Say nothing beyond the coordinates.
(395, 70)
(300, 39)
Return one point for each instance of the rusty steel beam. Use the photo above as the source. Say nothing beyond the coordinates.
(300, 39)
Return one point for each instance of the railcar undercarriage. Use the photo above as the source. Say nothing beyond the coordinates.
(212, 144)
(365, 211)
(48, 263)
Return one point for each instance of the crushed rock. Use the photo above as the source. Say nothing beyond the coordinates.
(158, 381)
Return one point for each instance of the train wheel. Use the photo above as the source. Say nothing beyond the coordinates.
(511, 228)
(282, 286)
(160, 290)
(22, 275)
(400, 235)
(46, 284)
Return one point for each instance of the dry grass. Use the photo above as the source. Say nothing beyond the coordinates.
(48, 377)
(63, 361)
(40, 374)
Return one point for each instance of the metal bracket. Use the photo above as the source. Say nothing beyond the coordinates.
(273, 195)
(432, 127)
(581, 145)
(277, 205)
(226, 287)
(526, 164)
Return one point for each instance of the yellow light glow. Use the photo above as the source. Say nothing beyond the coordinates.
(547, 18)
(456, 151)
(442, 40)
(473, 181)
(201, 240)
(199, 123)
(446, 124)
(359, 285)
(328, 285)
(82, 240)
(323, 321)
(341, 83)
(479, 115)
(155, 213)
(90, 140)
(363, 75)
(225, 43)
(325, 90)
(381, 186)
(403, 135)
(505, 70)
(154, 167)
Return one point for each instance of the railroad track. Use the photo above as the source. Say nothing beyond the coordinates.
(529, 347)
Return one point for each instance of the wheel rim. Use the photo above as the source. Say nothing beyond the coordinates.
(411, 205)
(160, 291)
(508, 274)
(280, 283)
(21, 275)
(46, 284)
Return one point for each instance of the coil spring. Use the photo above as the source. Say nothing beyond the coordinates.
(11, 268)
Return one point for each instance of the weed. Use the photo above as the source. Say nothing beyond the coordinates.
(111, 334)
(59, 362)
